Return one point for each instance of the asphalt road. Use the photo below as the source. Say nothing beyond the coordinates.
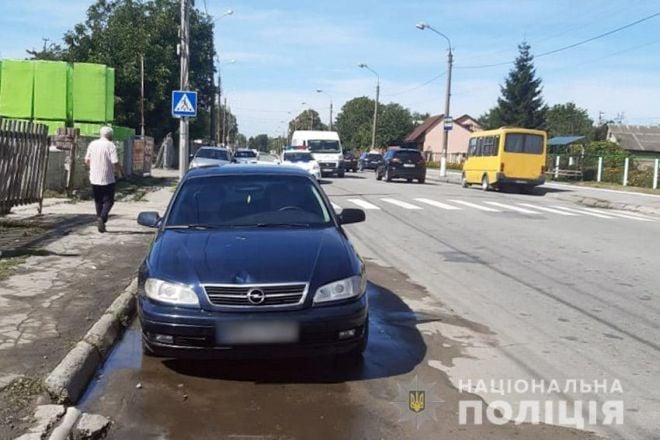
(465, 285)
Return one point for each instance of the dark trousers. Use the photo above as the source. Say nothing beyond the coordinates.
(104, 198)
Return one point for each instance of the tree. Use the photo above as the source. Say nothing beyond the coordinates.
(241, 140)
(354, 123)
(117, 32)
(568, 119)
(521, 103)
(259, 142)
(307, 120)
(49, 52)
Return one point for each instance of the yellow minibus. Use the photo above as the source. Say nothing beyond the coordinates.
(506, 156)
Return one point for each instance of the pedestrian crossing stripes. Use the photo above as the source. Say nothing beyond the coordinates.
(489, 206)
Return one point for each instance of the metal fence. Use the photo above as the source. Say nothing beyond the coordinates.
(643, 172)
(23, 162)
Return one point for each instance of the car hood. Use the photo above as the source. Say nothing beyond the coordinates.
(317, 256)
(304, 165)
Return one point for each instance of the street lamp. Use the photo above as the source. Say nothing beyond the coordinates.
(326, 93)
(214, 126)
(373, 128)
(222, 138)
(227, 12)
(450, 60)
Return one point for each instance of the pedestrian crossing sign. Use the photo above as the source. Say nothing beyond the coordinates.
(184, 104)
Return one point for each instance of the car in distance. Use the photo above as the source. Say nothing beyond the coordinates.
(210, 156)
(350, 161)
(302, 159)
(402, 163)
(267, 158)
(252, 261)
(326, 148)
(244, 155)
(370, 161)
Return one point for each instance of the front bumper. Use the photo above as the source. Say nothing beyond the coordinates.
(194, 331)
(407, 173)
(504, 180)
(332, 167)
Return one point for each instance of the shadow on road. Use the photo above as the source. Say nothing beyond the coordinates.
(395, 348)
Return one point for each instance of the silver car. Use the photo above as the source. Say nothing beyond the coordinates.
(244, 155)
(210, 156)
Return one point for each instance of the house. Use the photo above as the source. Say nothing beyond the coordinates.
(638, 140)
(430, 134)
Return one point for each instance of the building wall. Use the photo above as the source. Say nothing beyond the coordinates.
(456, 148)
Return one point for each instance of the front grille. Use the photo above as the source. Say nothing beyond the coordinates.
(275, 295)
(327, 165)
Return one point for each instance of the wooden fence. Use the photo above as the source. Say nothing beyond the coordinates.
(23, 162)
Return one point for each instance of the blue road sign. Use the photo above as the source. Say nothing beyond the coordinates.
(184, 104)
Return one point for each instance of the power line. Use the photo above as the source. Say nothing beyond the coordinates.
(419, 86)
(570, 46)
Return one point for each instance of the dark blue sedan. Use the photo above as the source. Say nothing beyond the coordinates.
(252, 261)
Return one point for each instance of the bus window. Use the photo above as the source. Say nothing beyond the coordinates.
(523, 143)
(472, 147)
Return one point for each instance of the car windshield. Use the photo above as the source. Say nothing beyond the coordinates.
(245, 154)
(298, 157)
(248, 201)
(323, 146)
(212, 153)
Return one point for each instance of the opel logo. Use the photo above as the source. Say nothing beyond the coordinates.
(256, 296)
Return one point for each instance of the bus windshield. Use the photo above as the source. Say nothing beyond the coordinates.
(523, 143)
(323, 146)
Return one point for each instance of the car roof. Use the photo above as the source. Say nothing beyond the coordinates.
(245, 169)
(211, 147)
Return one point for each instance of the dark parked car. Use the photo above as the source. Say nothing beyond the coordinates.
(251, 260)
(350, 162)
(370, 161)
(402, 163)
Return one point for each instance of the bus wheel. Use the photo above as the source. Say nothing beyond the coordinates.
(464, 182)
(484, 183)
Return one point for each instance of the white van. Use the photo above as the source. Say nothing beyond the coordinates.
(325, 147)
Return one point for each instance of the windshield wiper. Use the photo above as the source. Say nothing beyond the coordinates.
(192, 226)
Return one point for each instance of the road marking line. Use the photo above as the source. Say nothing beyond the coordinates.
(581, 211)
(401, 204)
(438, 204)
(513, 208)
(474, 205)
(363, 204)
(543, 208)
(616, 214)
(631, 213)
(336, 207)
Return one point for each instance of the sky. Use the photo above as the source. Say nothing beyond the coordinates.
(283, 51)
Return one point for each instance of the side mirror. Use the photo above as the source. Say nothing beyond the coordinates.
(348, 216)
(149, 219)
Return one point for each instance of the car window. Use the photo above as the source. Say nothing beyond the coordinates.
(408, 155)
(298, 157)
(248, 200)
(374, 157)
(523, 143)
(212, 153)
(245, 153)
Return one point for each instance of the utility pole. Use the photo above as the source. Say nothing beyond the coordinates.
(212, 117)
(224, 123)
(142, 95)
(219, 104)
(445, 138)
(373, 129)
(184, 55)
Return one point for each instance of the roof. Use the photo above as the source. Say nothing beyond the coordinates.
(565, 140)
(425, 126)
(636, 137)
(432, 121)
(245, 169)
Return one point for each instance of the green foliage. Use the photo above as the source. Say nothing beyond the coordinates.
(610, 151)
(568, 119)
(521, 103)
(116, 32)
(355, 121)
(307, 120)
(258, 142)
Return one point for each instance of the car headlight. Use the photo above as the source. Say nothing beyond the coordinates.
(340, 290)
(170, 292)
(315, 166)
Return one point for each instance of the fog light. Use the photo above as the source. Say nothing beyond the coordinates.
(346, 334)
(164, 339)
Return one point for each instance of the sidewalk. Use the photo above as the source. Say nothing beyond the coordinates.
(65, 275)
(593, 197)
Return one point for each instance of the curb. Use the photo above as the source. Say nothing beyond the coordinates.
(69, 379)
(605, 204)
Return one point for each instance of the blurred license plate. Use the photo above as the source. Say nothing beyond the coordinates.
(257, 332)
(328, 169)
(408, 165)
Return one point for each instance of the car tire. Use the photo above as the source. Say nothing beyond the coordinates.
(409, 180)
(464, 182)
(341, 173)
(388, 176)
(421, 179)
(485, 185)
